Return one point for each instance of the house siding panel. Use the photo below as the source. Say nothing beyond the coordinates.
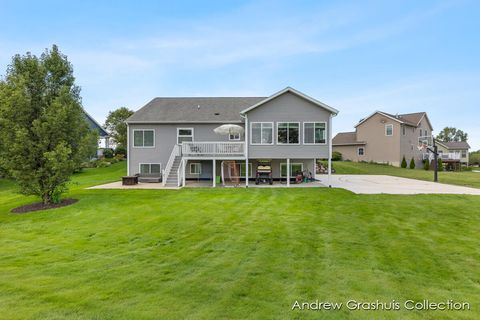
(288, 107)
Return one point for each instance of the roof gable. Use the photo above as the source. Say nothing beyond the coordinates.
(295, 92)
(94, 124)
(410, 119)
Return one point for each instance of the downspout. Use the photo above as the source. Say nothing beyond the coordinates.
(247, 174)
(128, 150)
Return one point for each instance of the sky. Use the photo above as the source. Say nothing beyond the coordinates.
(356, 56)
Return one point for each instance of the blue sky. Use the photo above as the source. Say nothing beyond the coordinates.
(357, 56)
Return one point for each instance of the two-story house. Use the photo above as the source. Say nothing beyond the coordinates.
(174, 138)
(385, 138)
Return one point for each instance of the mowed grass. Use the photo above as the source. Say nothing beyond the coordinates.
(463, 178)
(235, 253)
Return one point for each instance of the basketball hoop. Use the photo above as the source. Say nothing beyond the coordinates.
(424, 142)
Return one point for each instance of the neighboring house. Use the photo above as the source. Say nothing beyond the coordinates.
(103, 136)
(385, 138)
(175, 138)
(453, 152)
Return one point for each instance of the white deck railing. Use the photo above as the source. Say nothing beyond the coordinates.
(213, 149)
(180, 174)
(443, 156)
(171, 160)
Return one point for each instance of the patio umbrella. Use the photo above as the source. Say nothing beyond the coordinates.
(226, 129)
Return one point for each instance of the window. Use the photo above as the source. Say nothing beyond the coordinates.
(294, 168)
(288, 132)
(184, 134)
(235, 136)
(195, 168)
(144, 138)
(262, 133)
(242, 170)
(150, 168)
(404, 130)
(389, 130)
(361, 151)
(464, 153)
(314, 133)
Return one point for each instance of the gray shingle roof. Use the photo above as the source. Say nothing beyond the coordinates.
(194, 109)
(346, 138)
(455, 144)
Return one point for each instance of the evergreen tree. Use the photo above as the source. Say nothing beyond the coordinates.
(412, 164)
(404, 163)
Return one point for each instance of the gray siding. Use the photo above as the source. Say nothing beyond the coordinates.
(288, 107)
(165, 139)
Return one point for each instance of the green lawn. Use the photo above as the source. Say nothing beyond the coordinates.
(234, 253)
(464, 178)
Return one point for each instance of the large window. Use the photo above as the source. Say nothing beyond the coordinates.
(184, 134)
(195, 168)
(150, 168)
(314, 133)
(294, 169)
(464, 153)
(288, 133)
(144, 138)
(389, 130)
(262, 133)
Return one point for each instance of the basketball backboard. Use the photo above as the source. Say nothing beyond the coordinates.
(425, 142)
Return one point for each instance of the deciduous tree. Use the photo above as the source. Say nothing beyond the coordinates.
(452, 134)
(42, 127)
(116, 125)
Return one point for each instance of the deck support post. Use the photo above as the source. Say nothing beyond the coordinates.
(247, 174)
(288, 172)
(214, 173)
(184, 171)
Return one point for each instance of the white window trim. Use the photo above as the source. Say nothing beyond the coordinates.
(291, 164)
(193, 134)
(388, 125)
(326, 133)
(133, 144)
(230, 135)
(299, 132)
(250, 124)
(358, 151)
(149, 163)
(196, 164)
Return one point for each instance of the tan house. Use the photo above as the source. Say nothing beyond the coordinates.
(385, 138)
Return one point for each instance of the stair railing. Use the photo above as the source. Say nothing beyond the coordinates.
(166, 172)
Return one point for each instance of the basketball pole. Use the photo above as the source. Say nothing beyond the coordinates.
(435, 161)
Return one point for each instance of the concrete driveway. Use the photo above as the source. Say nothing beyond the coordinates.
(374, 184)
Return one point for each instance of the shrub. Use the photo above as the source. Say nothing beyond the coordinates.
(426, 164)
(103, 164)
(120, 157)
(121, 151)
(336, 156)
(404, 163)
(108, 153)
(412, 164)
(439, 165)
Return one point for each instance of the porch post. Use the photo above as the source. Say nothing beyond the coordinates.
(214, 173)
(247, 174)
(184, 170)
(288, 172)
